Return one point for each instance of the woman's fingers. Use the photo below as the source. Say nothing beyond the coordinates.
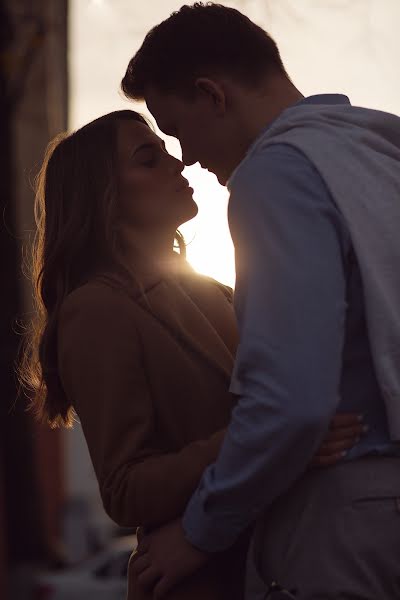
(333, 448)
(143, 544)
(341, 420)
(327, 461)
(140, 564)
(162, 588)
(345, 433)
(149, 578)
(345, 426)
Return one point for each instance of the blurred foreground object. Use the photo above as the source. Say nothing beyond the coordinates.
(103, 577)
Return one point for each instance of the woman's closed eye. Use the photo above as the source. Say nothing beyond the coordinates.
(146, 157)
(149, 155)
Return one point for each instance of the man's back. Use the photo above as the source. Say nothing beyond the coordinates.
(335, 534)
(359, 388)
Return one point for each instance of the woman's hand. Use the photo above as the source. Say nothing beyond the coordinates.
(345, 431)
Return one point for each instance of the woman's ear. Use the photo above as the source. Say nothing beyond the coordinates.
(213, 92)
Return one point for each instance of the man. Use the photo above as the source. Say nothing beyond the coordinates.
(314, 199)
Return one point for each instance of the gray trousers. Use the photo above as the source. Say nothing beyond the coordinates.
(334, 536)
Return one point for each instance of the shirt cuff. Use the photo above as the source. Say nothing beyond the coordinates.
(210, 533)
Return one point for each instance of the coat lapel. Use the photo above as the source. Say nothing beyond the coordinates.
(169, 303)
(186, 319)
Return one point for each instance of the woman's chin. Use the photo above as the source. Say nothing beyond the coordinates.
(189, 214)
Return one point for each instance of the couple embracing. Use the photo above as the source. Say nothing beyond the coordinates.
(252, 437)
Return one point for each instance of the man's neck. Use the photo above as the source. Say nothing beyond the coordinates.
(260, 109)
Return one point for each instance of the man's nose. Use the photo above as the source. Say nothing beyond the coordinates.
(187, 158)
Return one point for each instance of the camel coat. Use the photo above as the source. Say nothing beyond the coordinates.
(148, 376)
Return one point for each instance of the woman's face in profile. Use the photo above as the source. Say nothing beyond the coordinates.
(152, 191)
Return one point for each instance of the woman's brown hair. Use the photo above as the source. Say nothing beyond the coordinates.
(75, 214)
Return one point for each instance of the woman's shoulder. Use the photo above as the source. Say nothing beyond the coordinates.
(99, 296)
(226, 290)
(199, 280)
(98, 314)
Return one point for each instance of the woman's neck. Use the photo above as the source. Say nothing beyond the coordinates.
(150, 252)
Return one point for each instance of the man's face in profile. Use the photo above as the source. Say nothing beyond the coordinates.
(201, 133)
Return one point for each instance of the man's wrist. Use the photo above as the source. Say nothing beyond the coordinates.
(205, 532)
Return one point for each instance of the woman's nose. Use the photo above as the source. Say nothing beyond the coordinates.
(176, 165)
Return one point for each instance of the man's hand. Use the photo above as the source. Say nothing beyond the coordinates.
(165, 557)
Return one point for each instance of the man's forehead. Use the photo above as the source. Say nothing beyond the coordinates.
(161, 105)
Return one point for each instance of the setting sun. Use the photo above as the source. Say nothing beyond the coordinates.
(209, 248)
(95, 91)
(209, 245)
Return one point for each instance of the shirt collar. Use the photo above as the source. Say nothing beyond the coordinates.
(316, 99)
(324, 99)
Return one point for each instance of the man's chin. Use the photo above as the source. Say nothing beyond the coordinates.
(222, 179)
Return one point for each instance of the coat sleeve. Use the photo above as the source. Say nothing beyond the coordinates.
(102, 371)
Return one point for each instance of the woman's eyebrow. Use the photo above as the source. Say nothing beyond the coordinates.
(150, 145)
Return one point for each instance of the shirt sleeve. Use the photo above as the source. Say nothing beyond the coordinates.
(290, 301)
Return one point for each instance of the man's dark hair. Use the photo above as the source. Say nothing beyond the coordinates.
(201, 40)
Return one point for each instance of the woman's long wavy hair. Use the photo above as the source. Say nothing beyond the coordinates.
(76, 236)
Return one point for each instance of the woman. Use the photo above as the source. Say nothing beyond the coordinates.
(128, 336)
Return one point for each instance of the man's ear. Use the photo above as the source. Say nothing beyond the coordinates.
(213, 91)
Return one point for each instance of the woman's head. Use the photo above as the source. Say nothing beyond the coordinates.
(152, 193)
(110, 179)
(111, 174)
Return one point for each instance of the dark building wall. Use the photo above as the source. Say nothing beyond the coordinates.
(33, 108)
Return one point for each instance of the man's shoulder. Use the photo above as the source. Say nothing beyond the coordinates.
(279, 179)
(277, 172)
(271, 163)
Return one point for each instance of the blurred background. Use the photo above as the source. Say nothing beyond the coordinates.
(61, 63)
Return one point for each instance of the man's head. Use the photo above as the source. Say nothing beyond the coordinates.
(204, 72)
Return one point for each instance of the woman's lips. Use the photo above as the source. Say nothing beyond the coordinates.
(184, 186)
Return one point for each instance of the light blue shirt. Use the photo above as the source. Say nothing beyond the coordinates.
(304, 352)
